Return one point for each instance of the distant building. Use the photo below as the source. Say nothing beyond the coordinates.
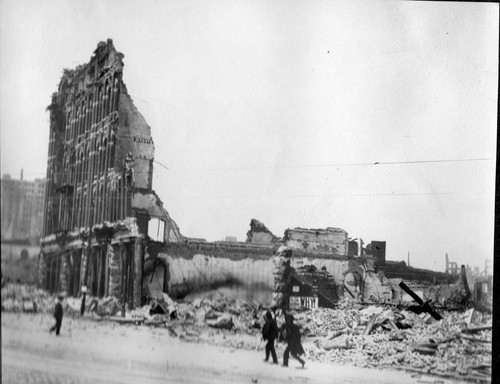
(451, 267)
(488, 267)
(22, 203)
(231, 239)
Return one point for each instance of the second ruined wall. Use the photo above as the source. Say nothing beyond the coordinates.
(209, 272)
(249, 270)
(246, 273)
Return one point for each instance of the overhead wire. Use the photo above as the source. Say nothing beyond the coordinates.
(333, 165)
(298, 165)
(330, 195)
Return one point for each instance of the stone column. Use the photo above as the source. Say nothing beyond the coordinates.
(42, 266)
(124, 281)
(65, 271)
(114, 271)
(108, 254)
(83, 267)
(138, 261)
(281, 274)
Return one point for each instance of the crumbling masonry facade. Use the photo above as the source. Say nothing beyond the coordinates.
(99, 198)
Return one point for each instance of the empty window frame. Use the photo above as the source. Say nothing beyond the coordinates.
(156, 230)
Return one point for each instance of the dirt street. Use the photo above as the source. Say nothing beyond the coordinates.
(104, 352)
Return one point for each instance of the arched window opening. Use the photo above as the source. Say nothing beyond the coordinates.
(82, 209)
(156, 230)
(84, 125)
(97, 157)
(104, 151)
(108, 100)
(73, 168)
(95, 99)
(115, 94)
(91, 110)
(69, 125)
(100, 105)
(77, 120)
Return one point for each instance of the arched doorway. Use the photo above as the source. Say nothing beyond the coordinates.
(153, 277)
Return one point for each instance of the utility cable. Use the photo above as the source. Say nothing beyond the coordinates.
(298, 165)
(333, 165)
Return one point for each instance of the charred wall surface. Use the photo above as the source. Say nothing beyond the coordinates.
(99, 197)
(245, 269)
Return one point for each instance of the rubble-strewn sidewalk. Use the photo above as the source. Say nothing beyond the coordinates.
(359, 334)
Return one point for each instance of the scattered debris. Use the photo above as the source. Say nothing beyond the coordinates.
(370, 325)
(163, 304)
(425, 348)
(357, 333)
(107, 306)
(477, 328)
(224, 322)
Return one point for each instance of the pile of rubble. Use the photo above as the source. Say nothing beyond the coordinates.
(28, 298)
(366, 335)
(25, 298)
(458, 346)
(381, 336)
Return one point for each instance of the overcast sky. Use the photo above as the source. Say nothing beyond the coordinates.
(279, 110)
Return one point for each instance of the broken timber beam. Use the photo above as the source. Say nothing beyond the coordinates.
(349, 290)
(477, 329)
(466, 285)
(370, 325)
(425, 306)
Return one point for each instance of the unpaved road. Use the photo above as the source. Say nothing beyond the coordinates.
(105, 352)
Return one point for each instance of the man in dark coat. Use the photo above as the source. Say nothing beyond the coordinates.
(269, 333)
(58, 315)
(292, 337)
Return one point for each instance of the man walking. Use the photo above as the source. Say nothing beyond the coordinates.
(292, 337)
(269, 333)
(58, 315)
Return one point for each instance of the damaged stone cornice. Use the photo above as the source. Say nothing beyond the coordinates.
(104, 232)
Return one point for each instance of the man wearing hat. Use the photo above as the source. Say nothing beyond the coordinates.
(269, 333)
(292, 337)
(58, 314)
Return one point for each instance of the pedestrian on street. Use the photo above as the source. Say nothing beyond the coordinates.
(270, 333)
(58, 315)
(292, 337)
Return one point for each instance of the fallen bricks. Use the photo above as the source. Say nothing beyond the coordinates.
(436, 348)
(377, 336)
(222, 322)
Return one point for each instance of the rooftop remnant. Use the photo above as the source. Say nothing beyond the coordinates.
(260, 234)
(329, 240)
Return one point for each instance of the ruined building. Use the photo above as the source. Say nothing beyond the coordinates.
(106, 229)
(99, 201)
